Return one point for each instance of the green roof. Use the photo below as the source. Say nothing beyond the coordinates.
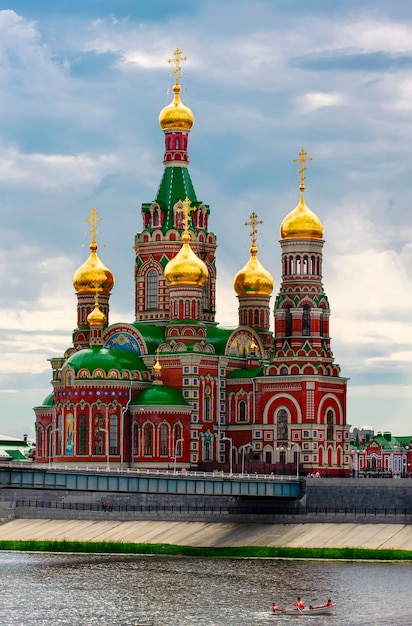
(15, 454)
(252, 372)
(48, 400)
(160, 395)
(106, 359)
(153, 335)
(218, 337)
(175, 185)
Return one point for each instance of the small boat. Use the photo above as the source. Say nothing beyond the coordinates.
(309, 610)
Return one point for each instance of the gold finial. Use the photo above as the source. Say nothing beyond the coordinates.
(93, 219)
(157, 367)
(253, 223)
(186, 209)
(178, 60)
(303, 158)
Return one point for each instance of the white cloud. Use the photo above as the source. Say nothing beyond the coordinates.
(317, 100)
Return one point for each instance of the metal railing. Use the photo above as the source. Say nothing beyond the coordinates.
(241, 509)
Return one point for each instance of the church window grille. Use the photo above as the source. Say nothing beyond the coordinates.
(82, 433)
(282, 422)
(242, 411)
(306, 320)
(151, 289)
(329, 425)
(148, 443)
(114, 438)
(163, 440)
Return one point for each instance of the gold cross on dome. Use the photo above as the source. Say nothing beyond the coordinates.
(253, 223)
(93, 219)
(178, 61)
(303, 158)
(186, 209)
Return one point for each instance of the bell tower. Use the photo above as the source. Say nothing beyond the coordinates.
(160, 239)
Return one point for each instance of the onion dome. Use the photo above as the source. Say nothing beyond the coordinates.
(96, 317)
(93, 274)
(176, 116)
(186, 268)
(253, 278)
(160, 396)
(301, 223)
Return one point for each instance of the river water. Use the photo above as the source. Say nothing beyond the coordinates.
(39, 589)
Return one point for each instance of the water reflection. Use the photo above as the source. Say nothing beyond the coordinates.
(51, 589)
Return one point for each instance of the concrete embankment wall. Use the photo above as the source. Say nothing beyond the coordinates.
(203, 534)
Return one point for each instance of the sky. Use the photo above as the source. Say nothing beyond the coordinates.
(81, 88)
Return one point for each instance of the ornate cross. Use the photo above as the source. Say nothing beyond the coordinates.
(253, 223)
(93, 219)
(303, 158)
(186, 209)
(178, 61)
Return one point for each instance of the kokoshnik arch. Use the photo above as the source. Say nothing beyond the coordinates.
(173, 387)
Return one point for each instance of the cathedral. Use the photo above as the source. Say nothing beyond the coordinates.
(175, 390)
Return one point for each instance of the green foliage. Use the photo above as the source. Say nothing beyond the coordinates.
(252, 552)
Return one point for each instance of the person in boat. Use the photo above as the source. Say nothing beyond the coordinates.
(276, 607)
(300, 604)
(328, 603)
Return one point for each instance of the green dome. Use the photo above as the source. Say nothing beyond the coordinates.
(106, 359)
(48, 400)
(160, 395)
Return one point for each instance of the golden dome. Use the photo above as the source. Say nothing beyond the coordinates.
(176, 115)
(253, 279)
(93, 274)
(96, 317)
(186, 268)
(301, 223)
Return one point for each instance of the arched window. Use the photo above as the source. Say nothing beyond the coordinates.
(282, 422)
(205, 294)
(306, 320)
(148, 440)
(163, 440)
(82, 448)
(177, 143)
(242, 411)
(329, 425)
(59, 434)
(207, 451)
(98, 434)
(175, 309)
(179, 218)
(256, 317)
(178, 440)
(288, 320)
(114, 435)
(135, 439)
(156, 217)
(151, 289)
(187, 308)
(208, 413)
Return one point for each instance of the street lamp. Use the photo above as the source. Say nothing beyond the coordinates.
(246, 445)
(104, 430)
(51, 433)
(231, 456)
(175, 457)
